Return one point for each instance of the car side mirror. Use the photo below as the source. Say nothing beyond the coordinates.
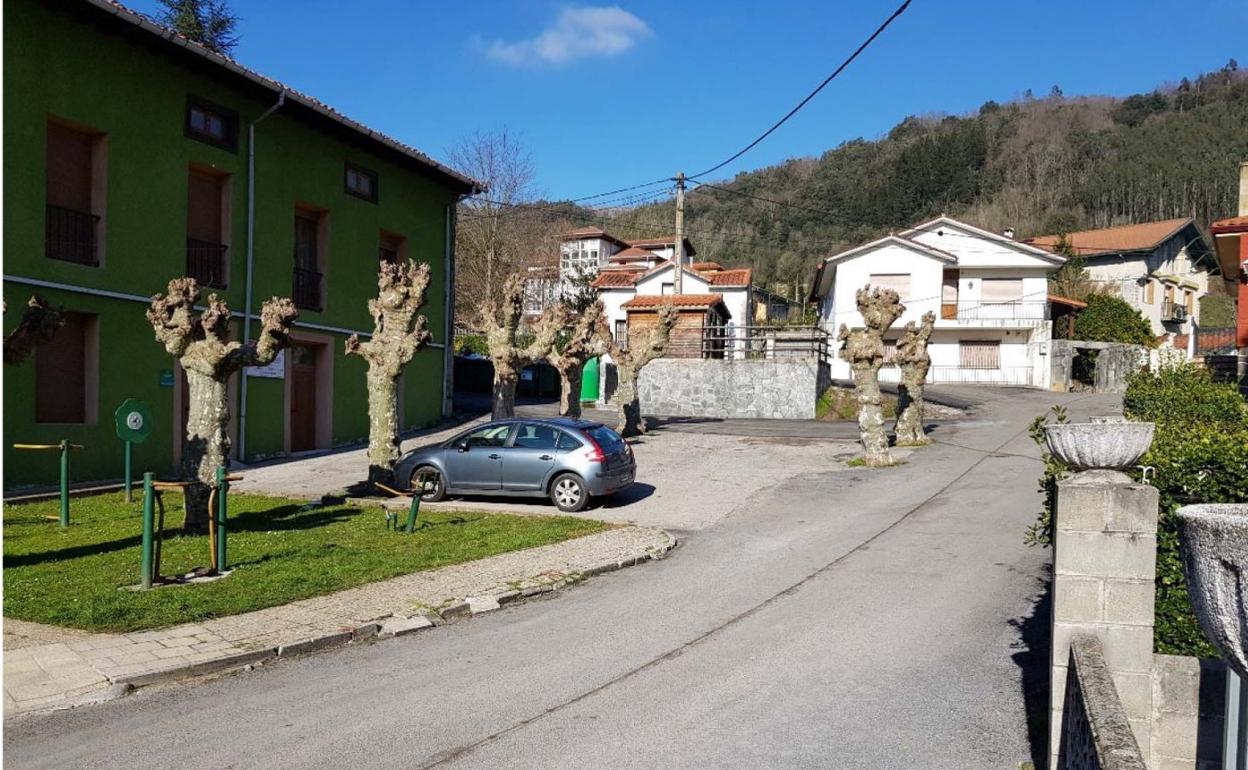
(462, 446)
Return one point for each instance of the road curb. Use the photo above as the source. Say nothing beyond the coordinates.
(385, 628)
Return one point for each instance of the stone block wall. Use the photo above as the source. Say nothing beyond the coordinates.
(777, 389)
(1189, 701)
(1104, 563)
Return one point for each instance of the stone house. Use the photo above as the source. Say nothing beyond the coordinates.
(1160, 268)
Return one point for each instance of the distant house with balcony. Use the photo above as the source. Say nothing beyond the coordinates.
(127, 164)
(1160, 268)
(987, 291)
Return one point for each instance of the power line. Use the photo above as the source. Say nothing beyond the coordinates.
(821, 212)
(900, 9)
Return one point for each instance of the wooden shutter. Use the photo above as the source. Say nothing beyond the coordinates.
(61, 373)
(1001, 290)
(69, 168)
(979, 354)
(203, 207)
(898, 282)
(1149, 292)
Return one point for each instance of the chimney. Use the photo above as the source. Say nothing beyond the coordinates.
(1009, 231)
(1243, 189)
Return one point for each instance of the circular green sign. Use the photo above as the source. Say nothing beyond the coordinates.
(134, 421)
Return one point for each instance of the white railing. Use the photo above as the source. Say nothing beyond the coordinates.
(994, 311)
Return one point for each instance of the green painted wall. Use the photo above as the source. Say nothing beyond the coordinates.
(73, 62)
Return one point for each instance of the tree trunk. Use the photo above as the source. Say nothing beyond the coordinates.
(629, 405)
(910, 412)
(383, 423)
(871, 416)
(207, 444)
(505, 379)
(570, 388)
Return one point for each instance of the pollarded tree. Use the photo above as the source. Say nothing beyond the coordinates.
(398, 332)
(581, 344)
(209, 357)
(38, 325)
(629, 363)
(864, 351)
(914, 360)
(501, 322)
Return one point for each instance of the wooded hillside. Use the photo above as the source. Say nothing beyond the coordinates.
(1039, 165)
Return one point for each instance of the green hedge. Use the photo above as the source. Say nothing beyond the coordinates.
(1199, 455)
(1110, 319)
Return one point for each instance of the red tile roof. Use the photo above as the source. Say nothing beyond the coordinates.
(1230, 225)
(591, 232)
(1140, 237)
(735, 277)
(706, 267)
(631, 254)
(652, 301)
(143, 22)
(615, 279)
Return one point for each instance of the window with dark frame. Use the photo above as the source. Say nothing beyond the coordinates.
(389, 247)
(308, 285)
(211, 123)
(72, 209)
(361, 183)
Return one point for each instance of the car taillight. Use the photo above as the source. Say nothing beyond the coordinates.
(594, 453)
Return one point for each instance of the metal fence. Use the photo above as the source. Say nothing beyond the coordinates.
(69, 235)
(765, 342)
(307, 289)
(205, 262)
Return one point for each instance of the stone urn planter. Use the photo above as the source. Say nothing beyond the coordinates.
(1214, 543)
(1104, 447)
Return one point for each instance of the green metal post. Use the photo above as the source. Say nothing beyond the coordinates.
(128, 446)
(64, 483)
(148, 516)
(223, 488)
(411, 514)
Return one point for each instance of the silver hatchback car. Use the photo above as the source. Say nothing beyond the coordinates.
(569, 461)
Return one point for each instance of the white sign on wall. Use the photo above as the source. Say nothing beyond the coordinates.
(275, 369)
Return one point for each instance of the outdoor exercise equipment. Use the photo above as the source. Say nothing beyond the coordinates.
(134, 423)
(425, 483)
(64, 447)
(154, 529)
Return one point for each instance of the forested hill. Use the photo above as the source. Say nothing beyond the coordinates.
(1039, 165)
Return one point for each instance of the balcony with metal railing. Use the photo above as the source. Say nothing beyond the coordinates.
(70, 235)
(206, 262)
(1173, 311)
(1017, 313)
(306, 289)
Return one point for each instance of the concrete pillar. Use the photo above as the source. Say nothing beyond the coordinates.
(1104, 563)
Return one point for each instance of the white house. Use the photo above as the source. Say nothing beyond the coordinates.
(988, 292)
(1160, 268)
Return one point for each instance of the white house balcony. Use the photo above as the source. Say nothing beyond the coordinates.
(992, 314)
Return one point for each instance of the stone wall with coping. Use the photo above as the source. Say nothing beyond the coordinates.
(1189, 701)
(776, 389)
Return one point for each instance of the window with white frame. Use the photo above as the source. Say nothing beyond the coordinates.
(898, 282)
(1001, 290)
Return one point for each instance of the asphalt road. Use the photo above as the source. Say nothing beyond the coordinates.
(869, 619)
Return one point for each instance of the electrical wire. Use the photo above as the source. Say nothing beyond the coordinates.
(900, 10)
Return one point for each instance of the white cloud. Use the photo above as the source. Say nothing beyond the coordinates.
(576, 33)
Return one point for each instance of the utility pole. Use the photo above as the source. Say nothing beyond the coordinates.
(678, 254)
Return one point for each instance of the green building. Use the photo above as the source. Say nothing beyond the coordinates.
(132, 156)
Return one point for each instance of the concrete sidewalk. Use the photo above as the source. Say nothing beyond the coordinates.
(47, 667)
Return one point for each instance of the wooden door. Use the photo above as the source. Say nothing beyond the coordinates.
(302, 398)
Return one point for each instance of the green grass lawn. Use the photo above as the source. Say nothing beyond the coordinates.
(281, 550)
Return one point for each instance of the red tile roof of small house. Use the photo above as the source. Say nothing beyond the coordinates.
(684, 301)
(631, 254)
(662, 242)
(1230, 225)
(706, 267)
(615, 279)
(591, 232)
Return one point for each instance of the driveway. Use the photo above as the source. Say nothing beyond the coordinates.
(689, 475)
(862, 619)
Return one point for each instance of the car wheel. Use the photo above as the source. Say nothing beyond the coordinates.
(439, 484)
(568, 493)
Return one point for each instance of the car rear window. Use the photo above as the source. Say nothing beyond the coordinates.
(604, 436)
(568, 441)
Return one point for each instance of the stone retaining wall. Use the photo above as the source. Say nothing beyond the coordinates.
(733, 388)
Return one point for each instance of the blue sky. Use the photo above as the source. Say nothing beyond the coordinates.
(670, 86)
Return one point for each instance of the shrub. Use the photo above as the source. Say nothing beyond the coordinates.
(471, 343)
(1181, 393)
(1111, 319)
(1217, 310)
